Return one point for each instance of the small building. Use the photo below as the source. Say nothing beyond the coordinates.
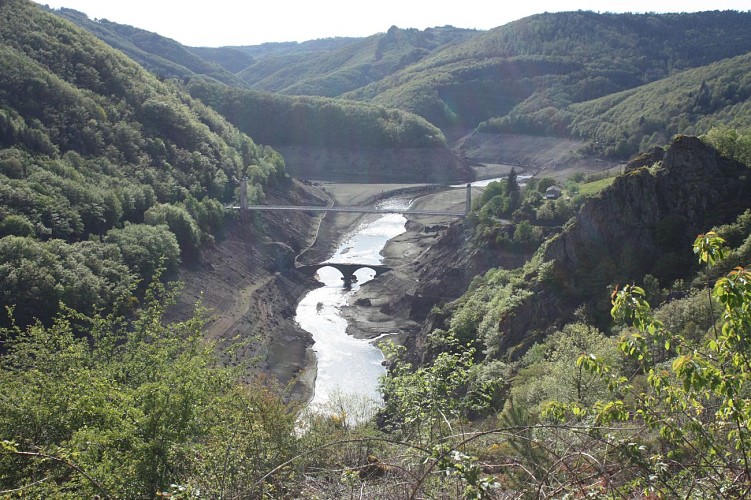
(553, 193)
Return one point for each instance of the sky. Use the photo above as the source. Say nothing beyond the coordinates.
(236, 22)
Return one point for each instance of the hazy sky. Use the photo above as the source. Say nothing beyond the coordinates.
(224, 22)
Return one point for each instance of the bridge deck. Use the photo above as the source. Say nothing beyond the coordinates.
(344, 267)
(361, 210)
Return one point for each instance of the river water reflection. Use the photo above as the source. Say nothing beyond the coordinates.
(348, 368)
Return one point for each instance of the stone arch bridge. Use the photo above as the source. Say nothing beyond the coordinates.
(347, 270)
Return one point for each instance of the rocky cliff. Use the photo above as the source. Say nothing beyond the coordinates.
(643, 223)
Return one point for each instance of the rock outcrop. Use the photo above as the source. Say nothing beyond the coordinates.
(650, 212)
(643, 223)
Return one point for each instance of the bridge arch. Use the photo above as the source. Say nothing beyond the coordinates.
(347, 269)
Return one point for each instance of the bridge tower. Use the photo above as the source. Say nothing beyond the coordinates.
(468, 209)
(244, 198)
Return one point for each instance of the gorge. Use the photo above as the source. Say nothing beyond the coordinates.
(581, 331)
(347, 367)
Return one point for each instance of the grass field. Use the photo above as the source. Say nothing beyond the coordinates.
(594, 187)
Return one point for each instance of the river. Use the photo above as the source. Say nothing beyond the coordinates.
(348, 368)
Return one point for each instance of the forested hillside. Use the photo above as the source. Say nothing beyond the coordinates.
(523, 71)
(316, 121)
(690, 102)
(276, 50)
(358, 141)
(104, 170)
(532, 76)
(351, 66)
(162, 56)
(325, 138)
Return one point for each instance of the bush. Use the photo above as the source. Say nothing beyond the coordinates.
(16, 225)
(179, 222)
(36, 276)
(146, 248)
(133, 409)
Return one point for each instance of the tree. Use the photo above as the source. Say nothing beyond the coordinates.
(512, 184)
(513, 193)
(544, 183)
(109, 407)
(682, 424)
(179, 221)
(422, 402)
(37, 276)
(731, 142)
(16, 225)
(146, 248)
(545, 373)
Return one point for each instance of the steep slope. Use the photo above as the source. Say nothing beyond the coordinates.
(160, 55)
(229, 58)
(648, 218)
(643, 223)
(688, 102)
(268, 58)
(327, 67)
(352, 66)
(525, 69)
(104, 170)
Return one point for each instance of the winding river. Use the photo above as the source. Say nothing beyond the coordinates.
(348, 368)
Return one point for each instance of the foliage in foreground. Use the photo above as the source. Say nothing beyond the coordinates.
(106, 406)
(676, 422)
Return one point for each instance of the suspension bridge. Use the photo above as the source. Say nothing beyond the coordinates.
(347, 269)
(245, 207)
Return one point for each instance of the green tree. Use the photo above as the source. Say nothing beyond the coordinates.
(513, 192)
(179, 221)
(37, 276)
(545, 373)
(682, 425)
(731, 142)
(421, 403)
(544, 183)
(109, 407)
(16, 225)
(146, 248)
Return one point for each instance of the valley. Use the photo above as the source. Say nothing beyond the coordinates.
(252, 292)
(582, 330)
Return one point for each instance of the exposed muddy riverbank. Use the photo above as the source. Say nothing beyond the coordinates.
(248, 282)
(347, 367)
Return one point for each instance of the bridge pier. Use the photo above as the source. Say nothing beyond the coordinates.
(348, 279)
